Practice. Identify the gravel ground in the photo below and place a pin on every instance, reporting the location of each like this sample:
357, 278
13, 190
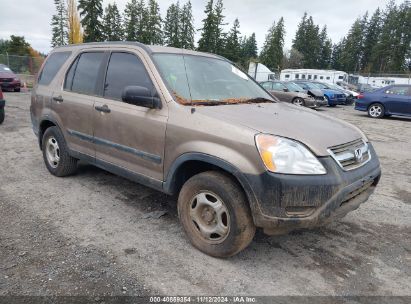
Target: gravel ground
93, 234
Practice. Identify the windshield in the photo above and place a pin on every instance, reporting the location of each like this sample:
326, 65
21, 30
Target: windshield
322, 86
336, 87
207, 81
4, 68
293, 87
311, 86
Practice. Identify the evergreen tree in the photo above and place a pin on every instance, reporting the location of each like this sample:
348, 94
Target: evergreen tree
351, 55
307, 41
112, 24
372, 34
232, 46
135, 20
59, 26
91, 13
293, 59
337, 55
220, 36
324, 61
154, 21
207, 40
187, 27
272, 52
172, 27
248, 49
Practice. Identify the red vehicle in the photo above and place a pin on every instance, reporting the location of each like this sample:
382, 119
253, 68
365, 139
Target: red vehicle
9, 80
2, 104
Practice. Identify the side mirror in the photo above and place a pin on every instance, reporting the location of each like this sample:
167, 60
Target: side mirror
140, 96
286, 90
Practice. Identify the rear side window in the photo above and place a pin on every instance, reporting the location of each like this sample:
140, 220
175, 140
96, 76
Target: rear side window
52, 66
124, 70
397, 91
267, 85
83, 73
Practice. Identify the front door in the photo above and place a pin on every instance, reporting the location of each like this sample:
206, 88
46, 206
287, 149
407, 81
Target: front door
128, 136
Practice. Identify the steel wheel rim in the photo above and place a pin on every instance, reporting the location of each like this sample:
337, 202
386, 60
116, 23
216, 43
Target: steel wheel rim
375, 111
52, 152
298, 102
209, 217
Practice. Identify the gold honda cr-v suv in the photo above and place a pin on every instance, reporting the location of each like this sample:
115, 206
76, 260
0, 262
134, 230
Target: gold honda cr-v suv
195, 125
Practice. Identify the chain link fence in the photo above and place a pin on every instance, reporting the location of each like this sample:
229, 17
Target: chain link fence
25, 67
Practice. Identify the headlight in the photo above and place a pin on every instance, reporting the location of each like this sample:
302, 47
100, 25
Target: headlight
282, 155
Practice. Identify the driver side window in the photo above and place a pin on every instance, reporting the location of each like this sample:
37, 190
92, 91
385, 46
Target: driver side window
125, 69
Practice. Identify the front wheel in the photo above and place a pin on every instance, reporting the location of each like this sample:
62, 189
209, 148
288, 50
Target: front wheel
298, 102
2, 114
376, 110
215, 215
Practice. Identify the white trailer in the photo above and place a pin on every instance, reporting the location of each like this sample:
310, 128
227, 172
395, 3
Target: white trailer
328, 76
260, 72
378, 82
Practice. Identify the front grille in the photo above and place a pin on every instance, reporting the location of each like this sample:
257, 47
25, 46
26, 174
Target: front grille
320, 98
6, 79
352, 155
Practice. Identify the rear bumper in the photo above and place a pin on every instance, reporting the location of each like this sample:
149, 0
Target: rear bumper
289, 202
360, 107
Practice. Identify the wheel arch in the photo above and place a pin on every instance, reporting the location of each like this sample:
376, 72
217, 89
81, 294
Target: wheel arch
190, 164
45, 123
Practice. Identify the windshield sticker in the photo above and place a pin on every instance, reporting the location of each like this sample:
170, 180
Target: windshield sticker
238, 72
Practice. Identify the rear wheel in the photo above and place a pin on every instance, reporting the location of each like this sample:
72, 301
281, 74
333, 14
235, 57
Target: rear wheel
298, 102
2, 114
55, 153
215, 215
376, 110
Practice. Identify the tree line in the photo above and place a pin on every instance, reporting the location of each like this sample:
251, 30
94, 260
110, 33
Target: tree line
380, 42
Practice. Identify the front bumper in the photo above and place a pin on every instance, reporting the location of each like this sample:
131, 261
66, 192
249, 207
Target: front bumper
10, 85
289, 202
314, 103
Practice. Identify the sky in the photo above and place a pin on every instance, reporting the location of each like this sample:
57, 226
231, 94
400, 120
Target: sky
31, 18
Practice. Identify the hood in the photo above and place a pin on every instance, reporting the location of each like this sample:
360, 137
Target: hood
315, 93
317, 131
7, 75
330, 91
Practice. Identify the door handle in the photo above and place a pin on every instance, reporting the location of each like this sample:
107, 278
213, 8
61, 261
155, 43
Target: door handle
58, 98
104, 109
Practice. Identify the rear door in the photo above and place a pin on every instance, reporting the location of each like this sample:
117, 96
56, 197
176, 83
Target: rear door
396, 99
129, 136
75, 103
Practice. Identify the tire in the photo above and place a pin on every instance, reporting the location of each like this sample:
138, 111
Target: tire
376, 110
215, 201
298, 102
55, 153
2, 115
17, 90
